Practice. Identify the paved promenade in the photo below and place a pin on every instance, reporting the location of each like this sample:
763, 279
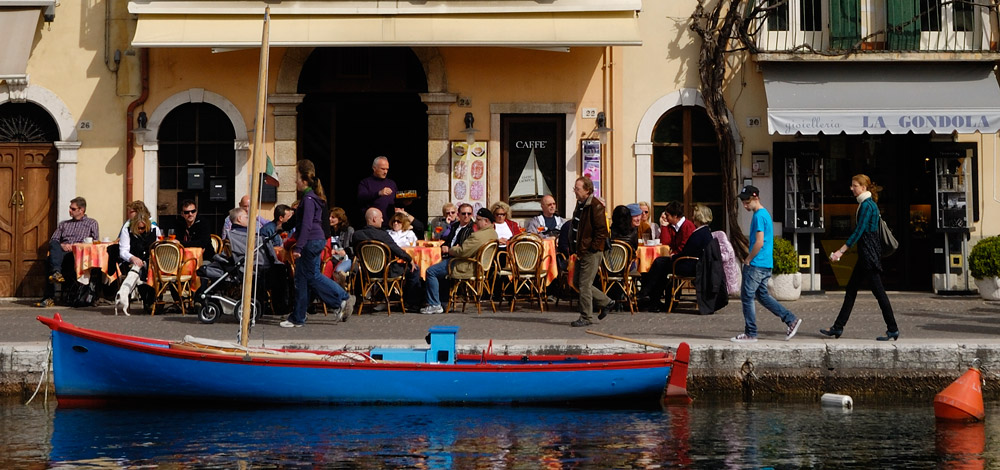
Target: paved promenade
940, 335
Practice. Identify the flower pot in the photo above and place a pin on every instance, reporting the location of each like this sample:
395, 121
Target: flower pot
785, 286
989, 288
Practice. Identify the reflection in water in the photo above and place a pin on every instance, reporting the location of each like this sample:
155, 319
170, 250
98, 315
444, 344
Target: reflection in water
706, 434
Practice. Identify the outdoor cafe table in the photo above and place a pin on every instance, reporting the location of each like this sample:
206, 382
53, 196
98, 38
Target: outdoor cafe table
425, 254
95, 255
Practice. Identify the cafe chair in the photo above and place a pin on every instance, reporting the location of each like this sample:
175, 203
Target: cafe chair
528, 273
166, 260
616, 270
679, 283
475, 282
376, 263
216, 244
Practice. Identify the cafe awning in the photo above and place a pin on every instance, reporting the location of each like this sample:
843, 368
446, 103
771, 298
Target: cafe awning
517, 23
899, 98
18, 25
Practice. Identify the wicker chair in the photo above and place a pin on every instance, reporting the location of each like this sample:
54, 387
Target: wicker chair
376, 261
616, 271
166, 260
216, 243
527, 263
476, 283
679, 283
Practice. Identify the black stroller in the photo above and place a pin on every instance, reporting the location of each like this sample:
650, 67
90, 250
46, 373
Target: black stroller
223, 294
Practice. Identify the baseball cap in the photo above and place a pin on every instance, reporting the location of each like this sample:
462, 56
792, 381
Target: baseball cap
486, 214
634, 210
748, 192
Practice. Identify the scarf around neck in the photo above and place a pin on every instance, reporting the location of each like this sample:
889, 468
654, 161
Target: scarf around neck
863, 196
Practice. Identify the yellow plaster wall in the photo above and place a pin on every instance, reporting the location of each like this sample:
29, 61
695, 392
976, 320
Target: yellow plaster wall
67, 58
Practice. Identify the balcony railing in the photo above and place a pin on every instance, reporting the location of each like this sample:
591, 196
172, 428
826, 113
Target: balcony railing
840, 27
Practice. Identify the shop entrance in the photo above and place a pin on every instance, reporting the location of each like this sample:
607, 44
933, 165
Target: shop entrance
904, 166
361, 103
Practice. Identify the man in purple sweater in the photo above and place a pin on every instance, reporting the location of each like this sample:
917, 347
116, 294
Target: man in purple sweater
377, 190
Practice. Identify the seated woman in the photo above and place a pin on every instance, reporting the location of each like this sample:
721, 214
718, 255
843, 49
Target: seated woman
399, 230
505, 227
621, 227
341, 234
135, 241
655, 283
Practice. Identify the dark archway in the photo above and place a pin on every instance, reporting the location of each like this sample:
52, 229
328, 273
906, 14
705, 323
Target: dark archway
195, 134
361, 103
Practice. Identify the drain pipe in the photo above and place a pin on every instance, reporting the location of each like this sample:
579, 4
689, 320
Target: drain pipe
130, 124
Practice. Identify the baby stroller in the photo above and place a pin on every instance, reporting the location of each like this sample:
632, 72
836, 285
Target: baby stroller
223, 294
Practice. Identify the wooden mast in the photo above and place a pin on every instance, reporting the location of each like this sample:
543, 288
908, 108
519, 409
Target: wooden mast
255, 159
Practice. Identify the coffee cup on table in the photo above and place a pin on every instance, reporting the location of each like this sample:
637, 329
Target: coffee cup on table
88, 240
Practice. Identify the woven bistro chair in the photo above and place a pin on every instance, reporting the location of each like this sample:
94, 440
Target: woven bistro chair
527, 262
477, 283
216, 244
616, 271
679, 283
376, 261
166, 260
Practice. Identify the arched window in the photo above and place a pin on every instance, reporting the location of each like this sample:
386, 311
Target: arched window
196, 133
686, 165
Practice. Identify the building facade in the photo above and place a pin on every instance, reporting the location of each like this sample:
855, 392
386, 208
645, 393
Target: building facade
476, 101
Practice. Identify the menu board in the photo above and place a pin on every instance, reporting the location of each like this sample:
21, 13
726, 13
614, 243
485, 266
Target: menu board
592, 162
468, 174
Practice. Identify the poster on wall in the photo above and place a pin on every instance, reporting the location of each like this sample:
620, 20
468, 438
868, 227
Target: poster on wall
591, 149
468, 174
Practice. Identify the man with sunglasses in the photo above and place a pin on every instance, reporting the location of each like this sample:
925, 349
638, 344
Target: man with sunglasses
193, 232
460, 229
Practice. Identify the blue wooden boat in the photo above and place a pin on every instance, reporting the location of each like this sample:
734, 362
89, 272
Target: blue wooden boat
91, 368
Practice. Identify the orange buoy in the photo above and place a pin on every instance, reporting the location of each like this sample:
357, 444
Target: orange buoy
963, 399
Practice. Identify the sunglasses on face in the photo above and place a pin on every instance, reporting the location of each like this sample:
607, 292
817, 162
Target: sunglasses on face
465, 213
191, 211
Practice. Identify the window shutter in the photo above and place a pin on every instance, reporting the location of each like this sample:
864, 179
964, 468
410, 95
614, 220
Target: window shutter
845, 23
903, 28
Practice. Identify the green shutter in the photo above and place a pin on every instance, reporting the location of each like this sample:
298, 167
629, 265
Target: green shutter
903, 28
845, 23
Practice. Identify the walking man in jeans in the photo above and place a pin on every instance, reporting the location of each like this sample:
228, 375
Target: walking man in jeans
590, 225
757, 270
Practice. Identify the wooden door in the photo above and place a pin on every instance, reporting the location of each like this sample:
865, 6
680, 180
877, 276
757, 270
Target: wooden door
27, 216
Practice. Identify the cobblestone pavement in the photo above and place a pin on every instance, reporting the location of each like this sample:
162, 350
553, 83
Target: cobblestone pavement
922, 318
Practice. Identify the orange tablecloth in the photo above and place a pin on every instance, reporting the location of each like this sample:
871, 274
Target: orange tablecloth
647, 254
88, 256
424, 256
551, 263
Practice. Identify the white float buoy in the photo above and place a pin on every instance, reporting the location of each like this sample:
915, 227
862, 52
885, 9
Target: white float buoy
840, 401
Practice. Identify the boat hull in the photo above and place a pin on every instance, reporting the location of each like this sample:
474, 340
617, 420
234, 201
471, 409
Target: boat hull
92, 368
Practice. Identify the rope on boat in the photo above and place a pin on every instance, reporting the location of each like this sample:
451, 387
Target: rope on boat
45, 371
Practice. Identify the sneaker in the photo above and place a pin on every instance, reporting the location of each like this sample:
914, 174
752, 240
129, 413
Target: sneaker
57, 278
743, 338
45, 303
581, 322
347, 308
288, 324
793, 328
432, 309
607, 309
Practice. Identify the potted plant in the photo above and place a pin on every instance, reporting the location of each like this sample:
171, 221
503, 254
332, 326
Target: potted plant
786, 280
984, 265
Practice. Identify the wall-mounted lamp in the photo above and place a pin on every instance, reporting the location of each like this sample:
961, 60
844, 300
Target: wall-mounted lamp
142, 119
602, 129
469, 131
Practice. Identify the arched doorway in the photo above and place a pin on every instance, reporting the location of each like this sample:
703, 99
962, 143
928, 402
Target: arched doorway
360, 103
196, 136
686, 163
28, 194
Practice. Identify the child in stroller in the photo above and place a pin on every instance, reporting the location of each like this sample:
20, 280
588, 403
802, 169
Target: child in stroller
222, 294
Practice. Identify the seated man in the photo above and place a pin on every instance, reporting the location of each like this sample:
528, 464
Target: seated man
466, 250
194, 232
546, 222
245, 205
373, 231
441, 226
655, 281
70, 231
263, 259
460, 228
